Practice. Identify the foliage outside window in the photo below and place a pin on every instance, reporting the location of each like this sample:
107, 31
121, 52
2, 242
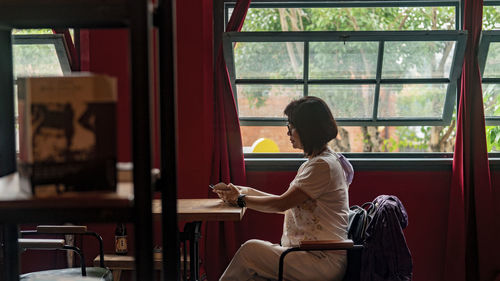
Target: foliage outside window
489, 56
264, 100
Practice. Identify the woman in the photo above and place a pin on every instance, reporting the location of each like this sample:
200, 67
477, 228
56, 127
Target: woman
315, 204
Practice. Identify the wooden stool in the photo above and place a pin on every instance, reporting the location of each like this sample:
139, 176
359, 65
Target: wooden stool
118, 263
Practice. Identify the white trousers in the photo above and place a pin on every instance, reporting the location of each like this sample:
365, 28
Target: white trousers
258, 260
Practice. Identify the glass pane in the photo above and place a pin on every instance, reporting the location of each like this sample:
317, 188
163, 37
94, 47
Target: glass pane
492, 66
346, 101
35, 60
349, 19
339, 60
266, 100
266, 139
491, 17
269, 60
416, 59
491, 99
394, 139
403, 139
493, 139
412, 100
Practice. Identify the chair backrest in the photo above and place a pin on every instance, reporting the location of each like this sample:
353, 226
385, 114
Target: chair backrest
95, 273
385, 253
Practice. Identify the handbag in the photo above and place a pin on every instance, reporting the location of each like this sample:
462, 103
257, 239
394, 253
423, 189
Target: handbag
359, 219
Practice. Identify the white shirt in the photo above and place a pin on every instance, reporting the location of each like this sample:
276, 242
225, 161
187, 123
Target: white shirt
325, 215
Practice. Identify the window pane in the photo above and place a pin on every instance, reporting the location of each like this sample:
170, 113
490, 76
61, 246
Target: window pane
266, 100
269, 60
492, 66
343, 60
35, 60
493, 138
253, 135
491, 17
365, 139
346, 101
415, 59
491, 99
411, 100
349, 19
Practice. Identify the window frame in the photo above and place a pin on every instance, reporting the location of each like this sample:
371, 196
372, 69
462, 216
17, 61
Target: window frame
57, 40
487, 37
229, 38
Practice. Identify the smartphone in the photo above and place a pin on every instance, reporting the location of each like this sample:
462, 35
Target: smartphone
211, 186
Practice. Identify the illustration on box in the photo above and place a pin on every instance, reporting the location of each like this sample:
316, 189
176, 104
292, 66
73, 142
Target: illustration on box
67, 131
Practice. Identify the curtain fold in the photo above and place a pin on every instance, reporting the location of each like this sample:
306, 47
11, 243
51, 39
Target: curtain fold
472, 224
223, 239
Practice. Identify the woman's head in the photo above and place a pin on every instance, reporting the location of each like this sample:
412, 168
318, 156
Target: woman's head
314, 123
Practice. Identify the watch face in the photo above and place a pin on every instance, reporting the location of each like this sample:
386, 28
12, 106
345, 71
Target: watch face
241, 200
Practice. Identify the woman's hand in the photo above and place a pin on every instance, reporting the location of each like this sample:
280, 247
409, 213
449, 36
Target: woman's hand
227, 192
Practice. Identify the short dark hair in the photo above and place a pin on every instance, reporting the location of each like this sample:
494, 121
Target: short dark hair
314, 122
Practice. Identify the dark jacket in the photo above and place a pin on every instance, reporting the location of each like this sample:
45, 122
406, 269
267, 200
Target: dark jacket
386, 255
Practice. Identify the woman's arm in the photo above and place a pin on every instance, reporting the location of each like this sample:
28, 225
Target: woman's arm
252, 191
243, 190
276, 203
262, 202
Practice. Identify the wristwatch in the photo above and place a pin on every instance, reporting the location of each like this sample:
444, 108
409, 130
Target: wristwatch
241, 200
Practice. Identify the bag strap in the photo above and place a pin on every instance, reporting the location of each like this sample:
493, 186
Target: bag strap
370, 206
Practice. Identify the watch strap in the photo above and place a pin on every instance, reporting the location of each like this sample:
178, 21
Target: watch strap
241, 201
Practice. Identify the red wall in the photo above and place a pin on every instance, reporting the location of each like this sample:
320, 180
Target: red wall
424, 195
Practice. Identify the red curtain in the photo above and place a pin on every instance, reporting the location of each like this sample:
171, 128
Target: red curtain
472, 224
74, 59
223, 239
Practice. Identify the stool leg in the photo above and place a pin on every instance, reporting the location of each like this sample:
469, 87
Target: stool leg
117, 274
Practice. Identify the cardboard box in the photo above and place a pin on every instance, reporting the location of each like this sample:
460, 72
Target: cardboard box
67, 132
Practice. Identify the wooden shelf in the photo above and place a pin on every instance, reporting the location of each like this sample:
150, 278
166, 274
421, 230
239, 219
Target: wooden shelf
59, 13
18, 206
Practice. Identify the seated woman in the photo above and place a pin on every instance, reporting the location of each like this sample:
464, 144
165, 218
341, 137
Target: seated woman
315, 204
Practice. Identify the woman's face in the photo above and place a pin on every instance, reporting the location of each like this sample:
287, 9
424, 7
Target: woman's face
294, 137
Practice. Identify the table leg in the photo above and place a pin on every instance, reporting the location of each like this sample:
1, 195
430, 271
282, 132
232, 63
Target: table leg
193, 232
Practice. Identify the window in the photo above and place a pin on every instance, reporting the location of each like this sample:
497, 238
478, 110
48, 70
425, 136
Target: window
389, 72
367, 78
38, 53
488, 56
489, 63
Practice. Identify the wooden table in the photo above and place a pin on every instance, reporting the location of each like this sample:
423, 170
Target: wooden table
194, 212
202, 210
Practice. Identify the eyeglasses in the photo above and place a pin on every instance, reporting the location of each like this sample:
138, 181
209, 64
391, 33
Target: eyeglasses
290, 128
